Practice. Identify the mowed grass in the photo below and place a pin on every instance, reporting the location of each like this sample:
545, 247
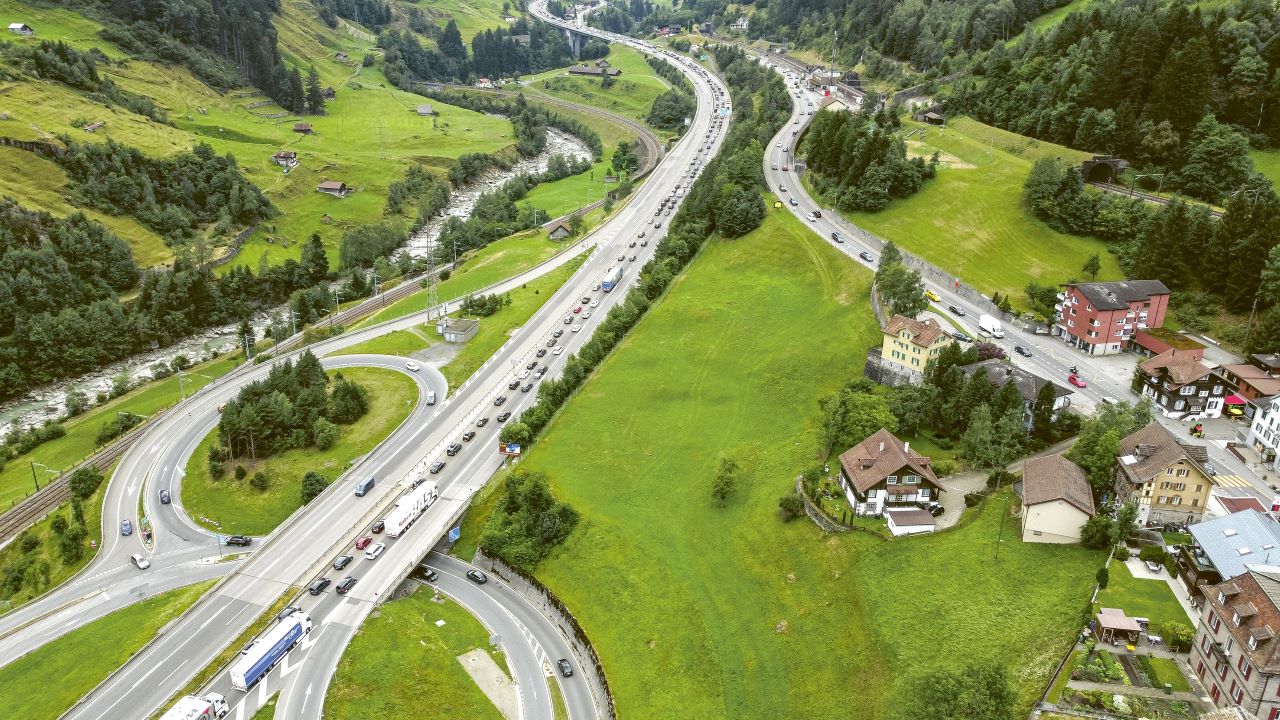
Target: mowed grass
1167, 671
1267, 162
1053, 18
631, 95
47, 682
971, 221
41, 185
705, 612
495, 262
1140, 597
472, 16
404, 635
238, 508
82, 432
400, 342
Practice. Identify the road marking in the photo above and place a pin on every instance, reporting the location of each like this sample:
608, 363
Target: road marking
211, 617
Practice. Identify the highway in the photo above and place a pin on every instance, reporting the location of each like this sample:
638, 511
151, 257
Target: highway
305, 545
1050, 358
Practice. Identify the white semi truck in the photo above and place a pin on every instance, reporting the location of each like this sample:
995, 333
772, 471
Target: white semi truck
409, 507
209, 707
989, 325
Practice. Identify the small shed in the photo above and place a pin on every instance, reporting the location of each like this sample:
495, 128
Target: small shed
602, 63
1113, 626
335, 188
559, 230
94, 126
329, 93
285, 158
21, 29
910, 521
304, 128
933, 118
457, 330
426, 110
340, 56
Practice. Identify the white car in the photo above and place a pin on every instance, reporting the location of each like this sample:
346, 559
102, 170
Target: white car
411, 366
523, 374
374, 551
576, 328
595, 303
586, 314
140, 562
596, 286
558, 350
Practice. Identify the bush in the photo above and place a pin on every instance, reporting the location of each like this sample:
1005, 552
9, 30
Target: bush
71, 544
28, 543
58, 524
325, 432
84, 481
790, 507
1121, 553
972, 499
1152, 553
216, 469
123, 423
1178, 635
999, 478
527, 523
241, 472
260, 481
1103, 577
944, 467
313, 483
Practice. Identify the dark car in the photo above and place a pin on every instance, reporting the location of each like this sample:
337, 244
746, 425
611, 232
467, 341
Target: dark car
378, 526
1022, 351
793, 202
557, 333
318, 586
482, 422
436, 467
499, 400
164, 497
961, 336
621, 258
836, 236
287, 611
865, 256
513, 384
240, 540
453, 449
426, 573
526, 387
341, 562
956, 310
933, 508
468, 435
347, 583
477, 577
503, 417
552, 342
565, 668
541, 352
531, 365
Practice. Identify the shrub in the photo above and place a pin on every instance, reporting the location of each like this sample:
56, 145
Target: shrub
28, 543
260, 481
1178, 635
241, 472
527, 523
71, 544
944, 467
325, 432
1152, 553
1121, 553
84, 481
999, 478
790, 507
121, 424
216, 469
1103, 577
58, 524
972, 499
313, 483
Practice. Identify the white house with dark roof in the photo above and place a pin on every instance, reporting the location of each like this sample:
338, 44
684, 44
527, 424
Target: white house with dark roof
1056, 500
21, 29
882, 472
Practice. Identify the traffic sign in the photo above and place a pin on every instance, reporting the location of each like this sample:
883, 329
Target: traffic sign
455, 533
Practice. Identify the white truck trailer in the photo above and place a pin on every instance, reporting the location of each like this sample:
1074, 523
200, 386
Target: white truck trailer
409, 507
190, 707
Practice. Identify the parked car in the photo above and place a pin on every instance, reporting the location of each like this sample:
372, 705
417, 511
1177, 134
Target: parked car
140, 562
933, 508
364, 542
566, 669
373, 552
962, 337
477, 577
341, 562
1076, 380
345, 586
318, 585
378, 526
1022, 351
164, 497
240, 540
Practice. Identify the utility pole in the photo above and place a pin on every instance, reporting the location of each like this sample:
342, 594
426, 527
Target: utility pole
1249, 330
34, 479
433, 291
373, 281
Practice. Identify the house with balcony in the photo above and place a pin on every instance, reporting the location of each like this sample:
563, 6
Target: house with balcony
1252, 386
1101, 318
1164, 476
1236, 654
1221, 547
883, 472
1001, 373
1264, 432
908, 345
1180, 383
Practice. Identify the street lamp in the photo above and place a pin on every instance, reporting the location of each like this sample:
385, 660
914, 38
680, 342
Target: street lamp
44, 467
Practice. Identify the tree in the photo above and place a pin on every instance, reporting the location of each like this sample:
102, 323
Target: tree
1103, 577
315, 95
260, 481
313, 483
1099, 532
1099, 441
297, 93
84, 481
851, 415
1217, 161
247, 338
790, 507
77, 401
1092, 266
1269, 279
976, 692
515, 433
911, 405
1042, 428
315, 261
901, 290
450, 42
325, 433
58, 524
725, 480
978, 442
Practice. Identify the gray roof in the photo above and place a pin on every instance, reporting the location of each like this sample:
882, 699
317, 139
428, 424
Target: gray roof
1233, 540
1117, 295
1000, 372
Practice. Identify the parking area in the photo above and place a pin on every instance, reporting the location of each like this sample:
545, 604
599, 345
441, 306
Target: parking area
955, 487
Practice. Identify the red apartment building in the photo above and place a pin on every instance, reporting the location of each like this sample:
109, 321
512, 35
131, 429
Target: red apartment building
1235, 653
1101, 318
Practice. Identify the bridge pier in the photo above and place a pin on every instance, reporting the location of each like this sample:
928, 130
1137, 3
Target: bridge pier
576, 43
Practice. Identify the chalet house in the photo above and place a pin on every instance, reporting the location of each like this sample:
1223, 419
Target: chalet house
1264, 432
910, 344
304, 128
334, 188
484, 83
594, 71
602, 63
1101, 318
340, 56
285, 158
1056, 500
426, 110
1251, 382
1236, 654
706, 29
1180, 383
833, 104
1029, 385
883, 471
21, 29
1166, 478
933, 118
740, 24
559, 230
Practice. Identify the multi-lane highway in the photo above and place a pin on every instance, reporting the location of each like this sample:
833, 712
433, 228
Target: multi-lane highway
305, 545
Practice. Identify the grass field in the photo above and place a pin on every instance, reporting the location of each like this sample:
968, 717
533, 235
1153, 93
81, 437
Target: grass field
268, 711
82, 432
729, 613
631, 95
400, 342
35, 583
1053, 18
1267, 162
970, 221
1139, 597
497, 261
47, 682
241, 509
1167, 672
404, 635
472, 16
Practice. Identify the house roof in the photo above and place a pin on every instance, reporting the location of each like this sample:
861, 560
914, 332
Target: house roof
331, 185
559, 225
879, 456
1238, 504
923, 332
460, 325
302, 126
1118, 294
1270, 361
1261, 380
1232, 540
1048, 478
934, 116
1152, 449
1114, 619
830, 100
285, 154
19, 26
1181, 368
911, 516
425, 110
1028, 383
1254, 594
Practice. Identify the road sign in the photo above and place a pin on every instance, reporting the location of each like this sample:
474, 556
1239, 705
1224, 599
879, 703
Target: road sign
510, 449
455, 533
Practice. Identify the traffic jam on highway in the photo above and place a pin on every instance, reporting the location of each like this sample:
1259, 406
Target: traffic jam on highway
516, 391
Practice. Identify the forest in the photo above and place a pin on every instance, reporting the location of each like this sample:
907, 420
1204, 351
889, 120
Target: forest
1153, 82
859, 162
494, 54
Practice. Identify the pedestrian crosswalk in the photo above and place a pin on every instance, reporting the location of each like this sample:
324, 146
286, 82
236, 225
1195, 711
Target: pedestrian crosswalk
1230, 481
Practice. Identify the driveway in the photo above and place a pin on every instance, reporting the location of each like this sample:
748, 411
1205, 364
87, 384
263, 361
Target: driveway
955, 487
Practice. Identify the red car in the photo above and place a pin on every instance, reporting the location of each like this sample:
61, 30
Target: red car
785, 168
363, 542
1076, 380
577, 310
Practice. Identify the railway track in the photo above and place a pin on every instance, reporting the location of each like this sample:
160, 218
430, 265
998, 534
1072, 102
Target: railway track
1115, 189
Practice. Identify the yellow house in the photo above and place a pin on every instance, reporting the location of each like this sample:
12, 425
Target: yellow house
1167, 478
911, 344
